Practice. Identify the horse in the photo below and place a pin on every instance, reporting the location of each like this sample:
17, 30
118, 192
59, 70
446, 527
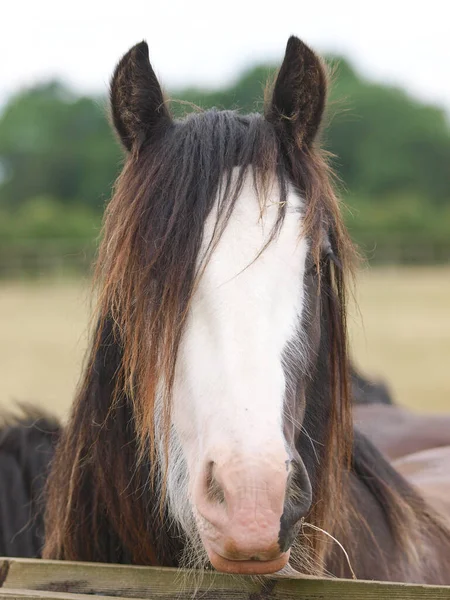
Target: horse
398, 432
213, 425
395, 430
416, 444
367, 391
428, 471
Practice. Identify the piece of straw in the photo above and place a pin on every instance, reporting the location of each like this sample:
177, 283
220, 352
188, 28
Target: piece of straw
305, 523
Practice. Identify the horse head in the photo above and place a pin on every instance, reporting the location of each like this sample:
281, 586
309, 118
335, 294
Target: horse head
221, 268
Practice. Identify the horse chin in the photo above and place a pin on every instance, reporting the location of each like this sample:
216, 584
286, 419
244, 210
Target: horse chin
247, 567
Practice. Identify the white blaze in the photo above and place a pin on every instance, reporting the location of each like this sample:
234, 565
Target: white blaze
230, 385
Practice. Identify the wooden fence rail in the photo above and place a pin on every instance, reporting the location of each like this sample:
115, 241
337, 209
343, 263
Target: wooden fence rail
27, 579
28, 258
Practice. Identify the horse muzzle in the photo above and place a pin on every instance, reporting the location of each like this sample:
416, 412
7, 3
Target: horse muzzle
239, 507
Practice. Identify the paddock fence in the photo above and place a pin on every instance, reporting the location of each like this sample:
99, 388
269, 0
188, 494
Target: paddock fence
31, 258
28, 258
28, 579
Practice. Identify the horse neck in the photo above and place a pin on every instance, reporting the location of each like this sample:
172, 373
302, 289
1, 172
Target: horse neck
100, 503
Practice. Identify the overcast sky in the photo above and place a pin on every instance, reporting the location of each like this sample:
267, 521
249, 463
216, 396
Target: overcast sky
208, 43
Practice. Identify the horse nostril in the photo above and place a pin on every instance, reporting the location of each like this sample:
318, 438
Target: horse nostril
214, 491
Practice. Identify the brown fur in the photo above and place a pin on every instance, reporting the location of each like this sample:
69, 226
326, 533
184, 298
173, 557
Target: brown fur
429, 471
397, 431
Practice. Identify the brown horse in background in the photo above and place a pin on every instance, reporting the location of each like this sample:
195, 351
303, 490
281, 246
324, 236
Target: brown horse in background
213, 423
397, 431
417, 445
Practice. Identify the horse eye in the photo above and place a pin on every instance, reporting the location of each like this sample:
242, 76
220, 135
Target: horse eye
331, 257
327, 257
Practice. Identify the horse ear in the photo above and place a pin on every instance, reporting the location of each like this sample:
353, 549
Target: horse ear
137, 102
299, 94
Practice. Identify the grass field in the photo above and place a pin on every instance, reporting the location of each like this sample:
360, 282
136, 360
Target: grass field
401, 334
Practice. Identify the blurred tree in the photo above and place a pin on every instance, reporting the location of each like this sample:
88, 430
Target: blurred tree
245, 94
387, 143
55, 143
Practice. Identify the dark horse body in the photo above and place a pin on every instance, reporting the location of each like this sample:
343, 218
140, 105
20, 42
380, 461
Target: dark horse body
26, 449
193, 441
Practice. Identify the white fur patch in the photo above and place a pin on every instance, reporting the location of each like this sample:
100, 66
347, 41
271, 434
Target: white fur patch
230, 383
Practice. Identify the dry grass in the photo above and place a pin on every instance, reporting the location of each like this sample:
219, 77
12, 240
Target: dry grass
404, 336
403, 333
43, 332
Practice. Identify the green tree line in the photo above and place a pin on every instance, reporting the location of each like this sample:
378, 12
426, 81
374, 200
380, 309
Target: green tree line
59, 159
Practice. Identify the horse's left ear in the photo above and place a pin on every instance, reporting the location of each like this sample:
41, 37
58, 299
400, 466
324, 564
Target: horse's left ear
138, 109
299, 94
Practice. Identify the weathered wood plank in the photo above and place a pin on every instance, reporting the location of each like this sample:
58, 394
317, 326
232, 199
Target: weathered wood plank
11, 594
64, 580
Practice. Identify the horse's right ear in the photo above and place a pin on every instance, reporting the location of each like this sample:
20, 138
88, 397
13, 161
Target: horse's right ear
137, 102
